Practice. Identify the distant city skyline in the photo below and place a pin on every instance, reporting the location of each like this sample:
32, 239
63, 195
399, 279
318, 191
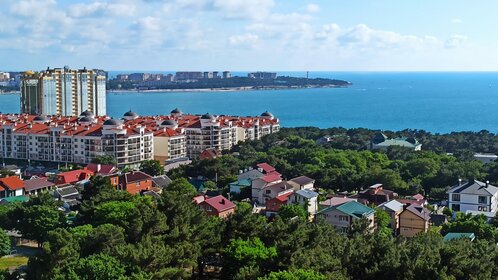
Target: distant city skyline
240, 35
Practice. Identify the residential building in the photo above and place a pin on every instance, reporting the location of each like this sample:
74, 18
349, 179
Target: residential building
306, 198
382, 142
342, 216
473, 195
72, 177
69, 195
218, 206
335, 201
459, 235
485, 158
375, 194
129, 141
260, 191
135, 182
210, 153
302, 183
394, 209
262, 75
413, 220
11, 186
63, 91
273, 205
189, 76
35, 186
227, 75
161, 181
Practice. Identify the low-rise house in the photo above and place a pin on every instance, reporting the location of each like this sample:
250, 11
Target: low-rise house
72, 177
485, 158
489, 215
342, 216
11, 186
375, 194
259, 185
161, 181
394, 209
274, 190
413, 220
37, 185
459, 235
218, 206
12, 168
473, 195
382, 142
306, 198
273, 205
438, 219
239, 185
69, 195
302, 183
335, 201
210, 153
135, 182
105, 170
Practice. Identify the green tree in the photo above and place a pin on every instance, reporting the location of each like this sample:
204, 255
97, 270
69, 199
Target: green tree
94, 267
181, 186
299, 274
383, 221
109, 160
152, 167
4, 243
251, 253
290, 211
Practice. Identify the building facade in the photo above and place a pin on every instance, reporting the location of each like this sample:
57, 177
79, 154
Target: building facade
130, 141
63, 91
473, 195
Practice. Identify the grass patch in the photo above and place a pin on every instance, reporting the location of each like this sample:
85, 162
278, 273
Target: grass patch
12, 262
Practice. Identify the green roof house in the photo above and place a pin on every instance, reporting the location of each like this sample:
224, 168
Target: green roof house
381, 142
459, 235
342, 216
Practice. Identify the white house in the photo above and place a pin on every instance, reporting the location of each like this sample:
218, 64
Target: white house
473, 195
302, 183
306, 197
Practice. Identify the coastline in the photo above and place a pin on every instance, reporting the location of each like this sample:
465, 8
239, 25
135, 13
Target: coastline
227, 89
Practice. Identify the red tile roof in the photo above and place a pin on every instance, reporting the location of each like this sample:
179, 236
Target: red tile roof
219, 203
272, 177
73, 176
12, 183
103, 169
284, 197
266, 167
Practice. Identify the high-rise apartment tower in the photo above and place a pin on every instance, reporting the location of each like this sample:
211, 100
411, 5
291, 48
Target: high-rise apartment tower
63, 91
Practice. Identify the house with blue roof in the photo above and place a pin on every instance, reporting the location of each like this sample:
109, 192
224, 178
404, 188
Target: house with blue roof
342, 216
307, 198
459, 235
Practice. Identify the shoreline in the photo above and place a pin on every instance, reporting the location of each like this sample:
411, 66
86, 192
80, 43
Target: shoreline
229, 89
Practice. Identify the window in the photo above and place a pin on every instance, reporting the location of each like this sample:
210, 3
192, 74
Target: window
455, 207
343, 218
455, 197
482, 208
482, 200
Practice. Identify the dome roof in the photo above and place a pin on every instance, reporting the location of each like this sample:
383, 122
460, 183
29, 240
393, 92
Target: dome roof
112, 122
87, 113
40, 118
169, 122
267, 114
130, 114
176, 111
86, 119
207, 116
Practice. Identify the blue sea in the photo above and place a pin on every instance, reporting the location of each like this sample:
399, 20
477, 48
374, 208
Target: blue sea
434, 101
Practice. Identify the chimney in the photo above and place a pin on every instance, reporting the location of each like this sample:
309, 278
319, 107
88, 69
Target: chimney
487, 184
222, 201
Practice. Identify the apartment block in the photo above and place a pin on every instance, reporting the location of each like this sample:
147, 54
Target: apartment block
63, 91
130, 140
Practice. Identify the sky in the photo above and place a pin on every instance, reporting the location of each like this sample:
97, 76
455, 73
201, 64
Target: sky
249, 35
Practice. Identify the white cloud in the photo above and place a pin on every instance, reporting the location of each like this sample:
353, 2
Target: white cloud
363, 37
244, 9
246, 40
312, 8
455, 41
456, 21
99, 9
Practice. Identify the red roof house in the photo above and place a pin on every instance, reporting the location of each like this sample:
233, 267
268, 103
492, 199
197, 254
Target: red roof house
210, 153
135, 182
218, 206
71, 177
273, 205
266, 167
11, 186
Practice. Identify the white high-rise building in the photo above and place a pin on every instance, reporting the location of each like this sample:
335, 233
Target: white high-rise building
64, 91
